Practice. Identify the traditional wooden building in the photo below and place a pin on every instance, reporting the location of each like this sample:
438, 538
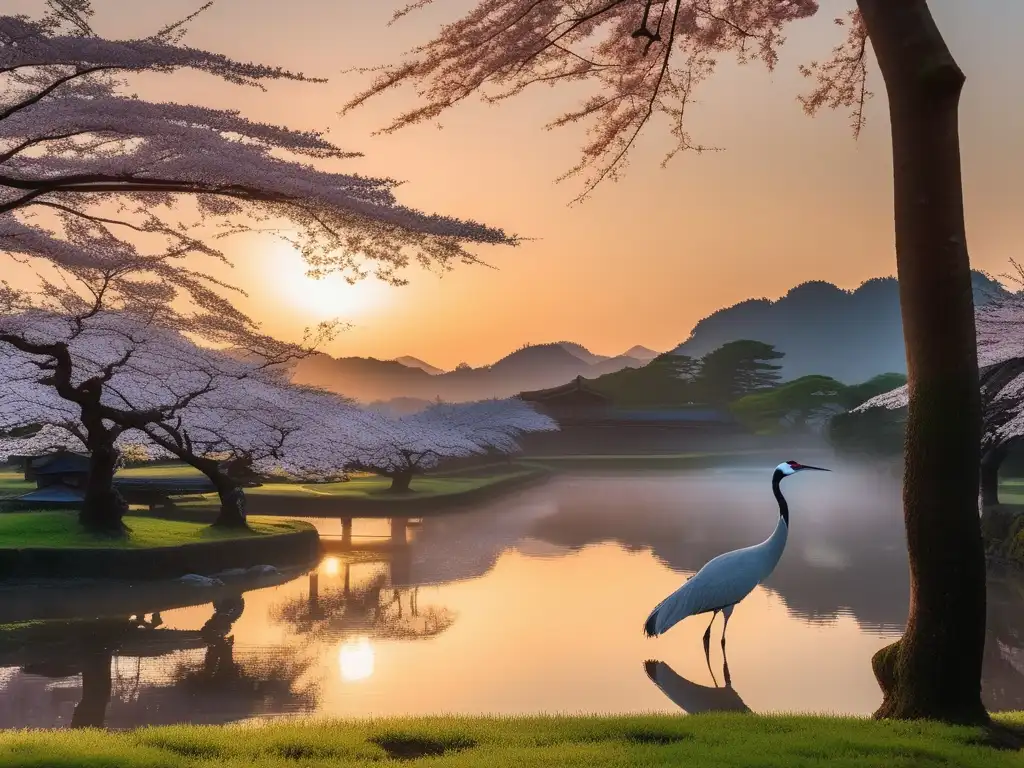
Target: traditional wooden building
60, 480
592, 423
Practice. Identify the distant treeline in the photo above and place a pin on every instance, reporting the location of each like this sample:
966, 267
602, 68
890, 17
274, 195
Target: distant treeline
743, 378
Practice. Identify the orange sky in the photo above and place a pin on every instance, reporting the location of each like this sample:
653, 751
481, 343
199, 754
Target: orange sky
792, 199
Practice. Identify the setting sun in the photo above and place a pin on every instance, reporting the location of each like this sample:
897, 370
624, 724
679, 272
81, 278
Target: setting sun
325, 298
355, 659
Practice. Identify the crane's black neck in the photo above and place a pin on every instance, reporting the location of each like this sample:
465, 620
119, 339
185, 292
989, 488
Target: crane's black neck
777, 490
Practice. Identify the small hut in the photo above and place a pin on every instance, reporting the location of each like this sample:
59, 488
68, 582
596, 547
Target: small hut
61, 467
59, 477
578, 394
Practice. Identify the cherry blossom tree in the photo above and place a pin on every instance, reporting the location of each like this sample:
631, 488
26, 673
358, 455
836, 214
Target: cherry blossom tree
405, 446
647, 57
131, 384
1000, 337
76, 144
98, 374
254, 424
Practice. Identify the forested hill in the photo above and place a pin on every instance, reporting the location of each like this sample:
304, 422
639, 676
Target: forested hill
848, 335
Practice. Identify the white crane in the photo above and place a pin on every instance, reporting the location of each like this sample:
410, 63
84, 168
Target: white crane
725, 580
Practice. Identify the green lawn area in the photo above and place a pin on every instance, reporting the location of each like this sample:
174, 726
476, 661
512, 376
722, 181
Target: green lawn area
1011, 490
360, 486
698, 740
12, 483
365, 487
61, 529
160, 470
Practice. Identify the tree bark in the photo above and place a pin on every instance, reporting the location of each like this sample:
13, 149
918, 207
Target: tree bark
103, 507
934, 670
400, 481
990, 463
229, 491
232, 502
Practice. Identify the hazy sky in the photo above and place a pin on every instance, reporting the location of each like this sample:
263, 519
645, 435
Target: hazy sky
792, 199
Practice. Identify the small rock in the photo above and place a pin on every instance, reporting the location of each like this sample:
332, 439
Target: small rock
195, 580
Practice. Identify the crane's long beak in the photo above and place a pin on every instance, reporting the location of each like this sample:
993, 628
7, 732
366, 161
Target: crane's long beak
820, 469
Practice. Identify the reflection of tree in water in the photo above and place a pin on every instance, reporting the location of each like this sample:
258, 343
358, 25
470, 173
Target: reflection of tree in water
220, 688
217, 689
62, 649
372, 608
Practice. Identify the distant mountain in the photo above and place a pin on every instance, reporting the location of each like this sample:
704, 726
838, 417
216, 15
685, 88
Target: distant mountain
532, 367
848, 335
641, 353
414, 362
584, 354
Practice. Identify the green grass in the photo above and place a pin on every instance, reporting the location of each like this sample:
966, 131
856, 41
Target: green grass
61, 529
362, 487
12, 483
591, 742
372, 487
160, 471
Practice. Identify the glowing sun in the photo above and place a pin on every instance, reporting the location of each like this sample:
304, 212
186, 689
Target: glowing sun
355, 659
322, 298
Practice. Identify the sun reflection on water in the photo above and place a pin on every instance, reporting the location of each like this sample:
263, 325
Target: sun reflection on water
355, 659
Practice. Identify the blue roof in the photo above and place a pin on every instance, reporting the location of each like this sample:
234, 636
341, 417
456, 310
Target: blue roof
55, 494
61, 465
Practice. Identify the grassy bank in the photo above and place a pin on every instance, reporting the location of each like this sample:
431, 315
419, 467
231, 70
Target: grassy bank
697, 740
374, 487
60, 530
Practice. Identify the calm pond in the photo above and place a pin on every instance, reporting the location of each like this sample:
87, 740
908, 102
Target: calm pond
531, 603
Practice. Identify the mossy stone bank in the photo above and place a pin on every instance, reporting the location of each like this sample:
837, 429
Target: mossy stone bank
68, 553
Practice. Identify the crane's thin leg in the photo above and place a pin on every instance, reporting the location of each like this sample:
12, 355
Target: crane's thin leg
726, 612
708, 635
707, 640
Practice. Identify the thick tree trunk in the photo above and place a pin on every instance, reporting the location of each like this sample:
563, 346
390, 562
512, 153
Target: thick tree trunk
103, 507
229, 491
232, 503
400, 481
934, 670
990, 463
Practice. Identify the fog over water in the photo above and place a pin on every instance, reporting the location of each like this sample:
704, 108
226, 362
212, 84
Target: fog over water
531, 603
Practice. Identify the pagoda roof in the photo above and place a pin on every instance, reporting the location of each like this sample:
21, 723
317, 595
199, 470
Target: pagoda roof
576, 386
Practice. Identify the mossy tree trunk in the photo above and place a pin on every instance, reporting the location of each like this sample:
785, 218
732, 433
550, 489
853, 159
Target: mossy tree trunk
991, 460
934, 670
232, 512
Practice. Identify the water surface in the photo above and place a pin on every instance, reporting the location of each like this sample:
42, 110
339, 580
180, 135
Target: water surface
532, 603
